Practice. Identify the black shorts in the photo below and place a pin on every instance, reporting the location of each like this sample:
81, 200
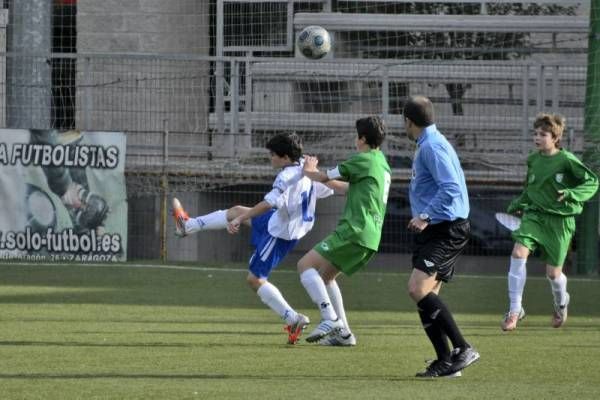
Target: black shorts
436, 249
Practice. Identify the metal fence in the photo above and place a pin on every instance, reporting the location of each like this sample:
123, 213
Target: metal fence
197, 124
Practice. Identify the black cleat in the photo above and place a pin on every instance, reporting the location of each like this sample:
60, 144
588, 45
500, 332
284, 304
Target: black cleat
439, 369
463, 357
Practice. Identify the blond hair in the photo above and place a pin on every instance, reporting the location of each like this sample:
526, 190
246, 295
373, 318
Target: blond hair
553, 123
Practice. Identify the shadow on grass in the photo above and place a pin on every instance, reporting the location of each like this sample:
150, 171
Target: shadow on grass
291, 376
115, 285
145, 345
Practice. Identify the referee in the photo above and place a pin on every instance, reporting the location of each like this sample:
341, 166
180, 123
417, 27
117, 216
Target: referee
440, 208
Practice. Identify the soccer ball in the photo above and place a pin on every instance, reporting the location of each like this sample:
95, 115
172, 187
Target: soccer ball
314, 42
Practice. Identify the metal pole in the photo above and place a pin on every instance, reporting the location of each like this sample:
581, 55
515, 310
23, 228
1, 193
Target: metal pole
164, 185
219, 71
248, 104
541, 82
234, 110
525, 94
555, 89
587, 232
385, 100
29, 84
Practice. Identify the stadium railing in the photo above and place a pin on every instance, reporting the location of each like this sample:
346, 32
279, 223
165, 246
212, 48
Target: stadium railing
443, 23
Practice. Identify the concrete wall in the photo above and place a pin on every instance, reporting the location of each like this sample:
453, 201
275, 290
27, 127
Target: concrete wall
143, 96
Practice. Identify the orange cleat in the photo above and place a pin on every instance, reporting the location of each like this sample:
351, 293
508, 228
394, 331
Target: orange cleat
180, 217
295, 330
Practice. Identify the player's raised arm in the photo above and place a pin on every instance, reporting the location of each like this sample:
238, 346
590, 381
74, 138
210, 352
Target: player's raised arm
311, 170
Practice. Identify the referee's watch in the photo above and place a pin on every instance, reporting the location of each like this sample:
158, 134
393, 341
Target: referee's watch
425, 217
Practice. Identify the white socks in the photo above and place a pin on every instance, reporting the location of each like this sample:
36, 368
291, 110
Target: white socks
335, 295
214, 220
559, 289
315, 287
272, 297
516, 283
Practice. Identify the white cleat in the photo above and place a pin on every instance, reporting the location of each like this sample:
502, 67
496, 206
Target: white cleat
559, 317
509, 323
342, 338
325, 328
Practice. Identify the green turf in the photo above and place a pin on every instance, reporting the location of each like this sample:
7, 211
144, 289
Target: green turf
70, 332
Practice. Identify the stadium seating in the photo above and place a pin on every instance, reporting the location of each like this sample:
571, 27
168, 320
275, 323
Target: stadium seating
490, 121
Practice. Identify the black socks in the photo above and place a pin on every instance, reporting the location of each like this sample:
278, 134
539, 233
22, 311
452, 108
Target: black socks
439, 323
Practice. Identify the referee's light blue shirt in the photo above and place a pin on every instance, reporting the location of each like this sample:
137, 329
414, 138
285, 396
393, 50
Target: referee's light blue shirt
437, 186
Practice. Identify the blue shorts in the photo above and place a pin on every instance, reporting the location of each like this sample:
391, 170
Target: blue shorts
270, 250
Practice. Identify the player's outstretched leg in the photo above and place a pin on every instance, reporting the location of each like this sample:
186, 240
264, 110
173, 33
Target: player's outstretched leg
180, 217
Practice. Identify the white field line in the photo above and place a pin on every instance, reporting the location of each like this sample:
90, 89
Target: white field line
227, 269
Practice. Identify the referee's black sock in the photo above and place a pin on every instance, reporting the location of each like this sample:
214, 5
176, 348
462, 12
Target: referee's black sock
438, 339
441, 316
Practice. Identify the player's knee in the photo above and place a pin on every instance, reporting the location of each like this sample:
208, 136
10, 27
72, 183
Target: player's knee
328, 274
520, 252
303, 265
415, 291
553, 272
253, 282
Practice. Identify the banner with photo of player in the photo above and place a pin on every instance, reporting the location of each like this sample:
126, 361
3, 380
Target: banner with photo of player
63, 195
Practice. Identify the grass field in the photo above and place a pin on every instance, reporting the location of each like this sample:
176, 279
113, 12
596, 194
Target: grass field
153, 332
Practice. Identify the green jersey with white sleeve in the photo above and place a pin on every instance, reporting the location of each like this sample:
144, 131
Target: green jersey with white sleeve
369, 178
547, 177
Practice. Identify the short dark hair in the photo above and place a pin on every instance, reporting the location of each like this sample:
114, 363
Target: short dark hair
372, 129
419, 110
286, 144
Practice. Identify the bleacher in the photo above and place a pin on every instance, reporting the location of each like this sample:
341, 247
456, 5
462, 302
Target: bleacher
338, 22
489, 117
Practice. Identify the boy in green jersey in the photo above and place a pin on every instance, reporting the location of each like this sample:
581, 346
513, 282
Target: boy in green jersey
556, 187
356, 237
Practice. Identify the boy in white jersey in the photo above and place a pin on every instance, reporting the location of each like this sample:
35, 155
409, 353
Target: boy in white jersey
284, 216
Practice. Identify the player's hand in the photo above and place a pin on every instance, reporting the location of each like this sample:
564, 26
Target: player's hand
417, 225
233, 226
311, 163
561, 195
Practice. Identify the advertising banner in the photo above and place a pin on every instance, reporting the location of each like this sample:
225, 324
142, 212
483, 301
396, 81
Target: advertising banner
62, 195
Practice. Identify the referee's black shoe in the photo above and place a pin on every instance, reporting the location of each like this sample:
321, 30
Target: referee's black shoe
439, 369
462, 357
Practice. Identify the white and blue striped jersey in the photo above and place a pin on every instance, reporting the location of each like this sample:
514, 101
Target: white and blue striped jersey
294, 197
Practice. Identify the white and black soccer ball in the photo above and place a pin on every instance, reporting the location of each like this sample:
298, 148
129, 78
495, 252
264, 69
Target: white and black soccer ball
314, 42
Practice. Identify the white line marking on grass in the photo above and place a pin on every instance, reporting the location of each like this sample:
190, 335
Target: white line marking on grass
176, 267
229, 269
